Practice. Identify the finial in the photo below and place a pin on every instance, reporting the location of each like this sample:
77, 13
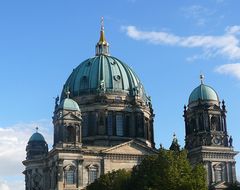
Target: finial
174, 136
102, 23
68, 93
36, 129
102, 47
201, 78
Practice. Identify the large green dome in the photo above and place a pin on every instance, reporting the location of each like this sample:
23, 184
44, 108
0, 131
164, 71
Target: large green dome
203, 92
103, 73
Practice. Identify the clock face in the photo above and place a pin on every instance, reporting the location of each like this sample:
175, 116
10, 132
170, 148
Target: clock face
217, 140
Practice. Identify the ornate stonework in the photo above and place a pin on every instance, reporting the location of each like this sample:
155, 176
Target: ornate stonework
207, 139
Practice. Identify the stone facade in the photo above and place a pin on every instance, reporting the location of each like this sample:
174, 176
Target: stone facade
74, 168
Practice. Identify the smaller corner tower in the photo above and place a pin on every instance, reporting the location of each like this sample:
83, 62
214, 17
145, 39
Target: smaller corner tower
37, 151
67, 123
206, 136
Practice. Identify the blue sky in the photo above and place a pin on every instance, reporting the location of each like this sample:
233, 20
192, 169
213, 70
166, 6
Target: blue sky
168, 44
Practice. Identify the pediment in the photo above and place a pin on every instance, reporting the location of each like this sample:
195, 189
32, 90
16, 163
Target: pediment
70, 116
131, 147
220, 185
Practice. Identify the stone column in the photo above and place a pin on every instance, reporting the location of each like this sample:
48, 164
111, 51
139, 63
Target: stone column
234, 178
60, 174
79, 174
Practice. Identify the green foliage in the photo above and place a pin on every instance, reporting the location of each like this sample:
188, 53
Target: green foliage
169, 170
115, 180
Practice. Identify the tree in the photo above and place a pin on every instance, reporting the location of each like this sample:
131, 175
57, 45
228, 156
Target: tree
115, 180
169, 170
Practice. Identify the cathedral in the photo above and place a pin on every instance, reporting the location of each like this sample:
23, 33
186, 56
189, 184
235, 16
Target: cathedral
104, 121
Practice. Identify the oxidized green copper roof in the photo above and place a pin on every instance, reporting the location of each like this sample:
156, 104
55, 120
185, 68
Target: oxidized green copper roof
203, 92
103, 73
69, 104
36, 137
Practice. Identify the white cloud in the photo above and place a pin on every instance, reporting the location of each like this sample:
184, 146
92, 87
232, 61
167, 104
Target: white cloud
226, 45
13, 141
197, 13
12, 185
230, 69
4, 186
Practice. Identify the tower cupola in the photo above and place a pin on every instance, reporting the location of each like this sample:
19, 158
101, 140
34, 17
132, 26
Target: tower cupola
37, 146
67, 123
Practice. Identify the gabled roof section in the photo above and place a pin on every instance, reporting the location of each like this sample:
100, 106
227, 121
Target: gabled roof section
131, 147
220, 185
70, 116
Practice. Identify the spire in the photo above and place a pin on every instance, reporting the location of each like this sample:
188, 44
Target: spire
175, 146
201, 78
68, 93
36, 129
102, 47
102, 36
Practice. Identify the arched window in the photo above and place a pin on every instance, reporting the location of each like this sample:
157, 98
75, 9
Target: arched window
85, 125
119, 124
139, 125
215, 123
110, 123
200, 122
92, 123
101, 124
192, 125
92, 173
70, 175
71, 134
219, 172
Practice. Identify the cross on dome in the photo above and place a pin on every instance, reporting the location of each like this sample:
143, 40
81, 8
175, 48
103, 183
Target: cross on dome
201, 78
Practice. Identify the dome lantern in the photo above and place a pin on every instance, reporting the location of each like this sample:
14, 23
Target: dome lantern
102, 47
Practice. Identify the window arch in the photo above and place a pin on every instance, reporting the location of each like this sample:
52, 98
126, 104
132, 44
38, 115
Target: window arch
215, 123
92, 173
71, 134
85, 124
110, 123
70, 175
119, 124
219, 172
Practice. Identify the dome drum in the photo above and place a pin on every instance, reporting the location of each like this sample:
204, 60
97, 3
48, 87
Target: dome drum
114, 125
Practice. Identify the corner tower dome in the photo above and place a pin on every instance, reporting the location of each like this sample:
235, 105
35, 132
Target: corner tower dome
37, 146
203, 92
37, 137
68, 104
